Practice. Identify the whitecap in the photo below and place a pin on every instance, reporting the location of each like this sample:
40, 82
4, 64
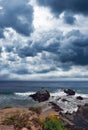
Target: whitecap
24, 94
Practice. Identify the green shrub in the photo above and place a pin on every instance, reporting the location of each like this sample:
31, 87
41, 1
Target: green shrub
53, 124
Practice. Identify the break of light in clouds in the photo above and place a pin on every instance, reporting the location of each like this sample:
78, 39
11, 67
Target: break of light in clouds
43, 39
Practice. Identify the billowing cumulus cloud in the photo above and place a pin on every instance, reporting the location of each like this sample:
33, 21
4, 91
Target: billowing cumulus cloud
57, 6
57, 47
17, 15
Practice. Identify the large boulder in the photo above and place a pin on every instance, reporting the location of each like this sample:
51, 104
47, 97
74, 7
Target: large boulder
41, 96
69, 91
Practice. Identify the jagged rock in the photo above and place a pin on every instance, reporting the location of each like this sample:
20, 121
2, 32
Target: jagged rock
58, 99
41, 96
80, 98
55, 107
80, 118
69, 127
65, 100
69, 91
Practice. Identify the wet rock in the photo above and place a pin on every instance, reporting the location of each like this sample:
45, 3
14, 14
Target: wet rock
55, 107
69, 92
80, 98
65, 100
71, 127
41, 96
58, 99
79, 119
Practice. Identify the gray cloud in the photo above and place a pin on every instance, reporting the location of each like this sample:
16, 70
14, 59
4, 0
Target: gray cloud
18, 15
26, 51
76, 49
48, 53
22, 71
57, 6
68, 50
0, 49
69, 18
1, 33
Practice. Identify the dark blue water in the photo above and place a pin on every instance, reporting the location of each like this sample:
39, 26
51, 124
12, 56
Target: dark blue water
8, 90
24, 86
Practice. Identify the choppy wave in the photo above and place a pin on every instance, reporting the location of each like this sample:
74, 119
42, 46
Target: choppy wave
24, 94
70, 103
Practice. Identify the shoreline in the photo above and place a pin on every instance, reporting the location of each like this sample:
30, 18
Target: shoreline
51, 105
48, 110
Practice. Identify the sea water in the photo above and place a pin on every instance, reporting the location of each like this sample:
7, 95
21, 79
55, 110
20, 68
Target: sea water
16, 93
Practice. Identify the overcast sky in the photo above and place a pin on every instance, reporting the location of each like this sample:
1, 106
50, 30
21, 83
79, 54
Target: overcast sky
43, 39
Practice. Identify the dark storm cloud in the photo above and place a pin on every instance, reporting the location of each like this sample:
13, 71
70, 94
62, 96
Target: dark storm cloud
46, 70
75, 51
48, 42
68, 50
57, 6
26, 51
0, 49
1, 33
54, 51
18, 15
69, 18
9, 48
4, 76
22, 71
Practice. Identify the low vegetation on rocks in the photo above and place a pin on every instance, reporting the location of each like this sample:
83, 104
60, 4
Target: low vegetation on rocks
30, 119
53, 123
18, 121
37, 110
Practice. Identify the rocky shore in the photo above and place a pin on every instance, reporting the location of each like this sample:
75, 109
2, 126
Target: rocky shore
77, 119
49, 105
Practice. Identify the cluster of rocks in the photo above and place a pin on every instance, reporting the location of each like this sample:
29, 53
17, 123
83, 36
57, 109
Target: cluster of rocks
75, 121
44, 95
70, 92
79, 119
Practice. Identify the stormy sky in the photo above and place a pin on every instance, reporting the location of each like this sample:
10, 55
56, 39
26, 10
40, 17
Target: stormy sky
43, 39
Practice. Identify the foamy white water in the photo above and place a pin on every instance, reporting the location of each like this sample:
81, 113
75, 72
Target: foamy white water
70, 103
24, 94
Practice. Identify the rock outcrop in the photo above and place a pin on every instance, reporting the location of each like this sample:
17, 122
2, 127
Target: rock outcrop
55, 107
65, 100
80, 98
79, 119
41, 96
69, 92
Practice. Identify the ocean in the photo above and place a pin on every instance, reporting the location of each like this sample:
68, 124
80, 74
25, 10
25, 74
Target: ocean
16, 93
